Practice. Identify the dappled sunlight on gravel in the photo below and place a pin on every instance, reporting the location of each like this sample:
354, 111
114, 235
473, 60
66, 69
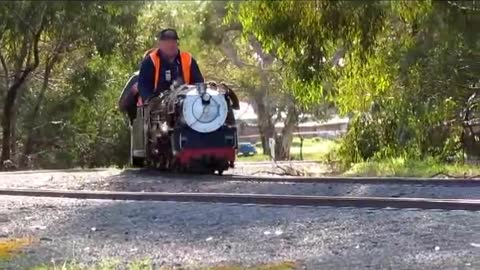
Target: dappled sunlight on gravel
202, 234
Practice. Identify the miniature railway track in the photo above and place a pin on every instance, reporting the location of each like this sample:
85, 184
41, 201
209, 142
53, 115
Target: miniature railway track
361, 180
259, 199
322, 180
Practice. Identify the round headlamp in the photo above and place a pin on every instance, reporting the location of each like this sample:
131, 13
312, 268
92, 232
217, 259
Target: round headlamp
206, 97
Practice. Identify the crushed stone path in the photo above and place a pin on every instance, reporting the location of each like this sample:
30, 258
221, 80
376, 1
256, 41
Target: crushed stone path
191, 235
131, 180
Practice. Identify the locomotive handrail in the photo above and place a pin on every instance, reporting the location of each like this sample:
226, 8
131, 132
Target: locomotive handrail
233, 97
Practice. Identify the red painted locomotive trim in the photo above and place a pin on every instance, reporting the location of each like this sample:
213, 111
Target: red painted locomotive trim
186, 155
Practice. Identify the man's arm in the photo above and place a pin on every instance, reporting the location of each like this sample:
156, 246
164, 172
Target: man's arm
195, 73
146, 79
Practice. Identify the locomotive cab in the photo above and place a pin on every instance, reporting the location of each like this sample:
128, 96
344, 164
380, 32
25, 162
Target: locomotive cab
188, 128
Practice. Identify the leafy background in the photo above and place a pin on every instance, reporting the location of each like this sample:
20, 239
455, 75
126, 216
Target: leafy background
401, 70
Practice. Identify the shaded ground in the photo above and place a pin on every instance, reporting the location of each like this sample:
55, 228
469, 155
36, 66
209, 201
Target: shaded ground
191, 235
144, 180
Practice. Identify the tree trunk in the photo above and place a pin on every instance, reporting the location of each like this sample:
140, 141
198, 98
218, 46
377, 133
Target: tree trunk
13, 135
7, 123
266, 132
8, 120
283, 142
266, 128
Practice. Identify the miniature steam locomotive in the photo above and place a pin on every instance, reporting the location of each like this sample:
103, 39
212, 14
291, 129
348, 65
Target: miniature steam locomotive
187, 128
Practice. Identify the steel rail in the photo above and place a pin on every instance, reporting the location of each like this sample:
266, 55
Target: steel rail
364, 180
425, 181
330, 180
258, 199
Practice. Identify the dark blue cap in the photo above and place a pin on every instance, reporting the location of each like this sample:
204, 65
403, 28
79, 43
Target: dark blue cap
167, 34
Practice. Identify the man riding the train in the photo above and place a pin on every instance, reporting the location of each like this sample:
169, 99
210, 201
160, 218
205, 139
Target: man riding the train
187, 140
166, 64
160, 66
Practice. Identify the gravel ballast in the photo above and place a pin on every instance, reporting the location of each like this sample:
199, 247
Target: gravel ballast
118, 180
191, 235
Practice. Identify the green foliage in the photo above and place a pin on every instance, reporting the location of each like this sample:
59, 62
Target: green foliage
304, 35
67, 110
101, 136
407, 67
400, 69
89, 59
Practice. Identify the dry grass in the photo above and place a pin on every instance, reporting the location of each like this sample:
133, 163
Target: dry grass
146, 265
274, 266
12, 246
413, 168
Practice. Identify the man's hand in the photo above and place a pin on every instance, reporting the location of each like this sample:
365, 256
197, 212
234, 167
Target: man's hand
178, 85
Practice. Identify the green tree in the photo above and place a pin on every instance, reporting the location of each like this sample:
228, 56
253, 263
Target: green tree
401, 69
253, 71
48, 41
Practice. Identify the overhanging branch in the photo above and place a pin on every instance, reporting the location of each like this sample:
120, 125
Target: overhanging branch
229, 50
36, 62
266, 59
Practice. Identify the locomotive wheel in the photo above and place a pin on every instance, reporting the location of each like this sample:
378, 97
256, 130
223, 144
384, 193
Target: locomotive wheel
138, 162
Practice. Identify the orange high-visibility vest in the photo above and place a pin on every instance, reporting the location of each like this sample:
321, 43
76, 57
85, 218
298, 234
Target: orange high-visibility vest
186, 62
148, 52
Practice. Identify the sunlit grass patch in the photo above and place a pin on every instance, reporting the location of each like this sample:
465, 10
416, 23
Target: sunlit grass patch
12, 246
112, 264
414, 168
257, 157
315, 149
105, 264
273, 266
